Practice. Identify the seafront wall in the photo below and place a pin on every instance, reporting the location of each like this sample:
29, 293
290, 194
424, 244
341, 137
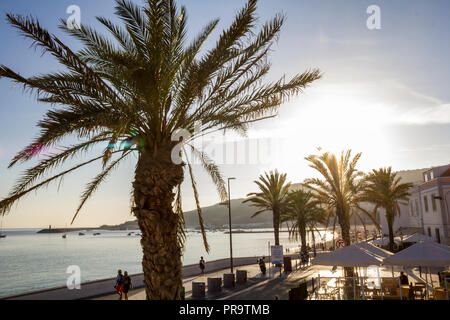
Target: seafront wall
104, 287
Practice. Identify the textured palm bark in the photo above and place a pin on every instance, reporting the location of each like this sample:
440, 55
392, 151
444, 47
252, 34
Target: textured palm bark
390, 223
155, 180
303, 237
313, 241
344, 222
276, 225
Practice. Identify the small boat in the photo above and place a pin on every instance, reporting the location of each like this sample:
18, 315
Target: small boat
2, 235
97, 234
64, 236
81, 234
130, 234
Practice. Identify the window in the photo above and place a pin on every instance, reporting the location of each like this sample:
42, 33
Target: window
425, 203
438, 235
431, 175
429, 232
417, 207
433, 202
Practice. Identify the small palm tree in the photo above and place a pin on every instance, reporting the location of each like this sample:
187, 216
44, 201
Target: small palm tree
317, 217
303, 212
385, 190
136, 93
272, 197
339, 190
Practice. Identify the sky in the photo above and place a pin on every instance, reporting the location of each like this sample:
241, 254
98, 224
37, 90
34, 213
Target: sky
384, 92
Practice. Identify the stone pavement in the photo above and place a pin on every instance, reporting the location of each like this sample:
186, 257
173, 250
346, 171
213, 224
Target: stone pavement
275, 287
253, 274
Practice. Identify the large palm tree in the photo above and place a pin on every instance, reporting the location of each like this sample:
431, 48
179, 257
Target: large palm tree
134, 92
272, 197
303, 213
385, 190
340, 188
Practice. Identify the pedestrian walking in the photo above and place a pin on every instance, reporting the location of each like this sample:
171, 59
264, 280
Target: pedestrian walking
262, 266
119, 284
127, 284
202, 265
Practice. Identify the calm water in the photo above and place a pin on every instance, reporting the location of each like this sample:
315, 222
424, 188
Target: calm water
31, 261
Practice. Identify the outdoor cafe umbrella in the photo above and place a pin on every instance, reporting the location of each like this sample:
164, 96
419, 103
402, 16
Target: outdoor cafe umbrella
425, 254
351, 256
417, 237
385, 241
374, 249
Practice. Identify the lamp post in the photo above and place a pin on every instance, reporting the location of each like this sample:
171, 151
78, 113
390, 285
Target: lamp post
229, 223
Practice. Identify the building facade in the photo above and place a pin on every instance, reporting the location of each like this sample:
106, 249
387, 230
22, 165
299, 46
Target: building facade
428, 207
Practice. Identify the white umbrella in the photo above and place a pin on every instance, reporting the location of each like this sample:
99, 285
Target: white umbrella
417, 237
385, 241
374, 249
424, 254
351, 256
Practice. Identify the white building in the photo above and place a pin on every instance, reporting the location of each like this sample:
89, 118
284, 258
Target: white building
428, 206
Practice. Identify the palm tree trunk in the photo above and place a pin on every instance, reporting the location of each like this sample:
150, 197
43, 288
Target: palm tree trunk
344, 222
345, 229
153, 197
276, 225
313, 241
303, 237
390, 223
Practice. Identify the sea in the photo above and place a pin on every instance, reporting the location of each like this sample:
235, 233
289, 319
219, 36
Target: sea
30, 261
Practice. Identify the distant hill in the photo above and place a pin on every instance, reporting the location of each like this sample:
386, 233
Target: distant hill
217, 215
129, 225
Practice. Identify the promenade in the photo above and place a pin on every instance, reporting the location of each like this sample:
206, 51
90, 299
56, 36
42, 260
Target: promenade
265, 288
105, 287
256, 288
254, 275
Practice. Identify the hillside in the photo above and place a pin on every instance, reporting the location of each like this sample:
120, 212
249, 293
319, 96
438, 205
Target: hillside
217, 215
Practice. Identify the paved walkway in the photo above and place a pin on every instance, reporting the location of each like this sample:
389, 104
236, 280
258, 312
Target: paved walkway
252, 272
275, 287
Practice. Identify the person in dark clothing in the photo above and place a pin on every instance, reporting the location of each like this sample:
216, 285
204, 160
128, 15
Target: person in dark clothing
119, 284
202, 265
127, 284
262, 265
404, 278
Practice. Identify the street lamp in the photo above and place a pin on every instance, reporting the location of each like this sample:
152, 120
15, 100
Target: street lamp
229, 223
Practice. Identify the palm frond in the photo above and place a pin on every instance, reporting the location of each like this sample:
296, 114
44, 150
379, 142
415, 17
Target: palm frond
213, 170
199, 208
